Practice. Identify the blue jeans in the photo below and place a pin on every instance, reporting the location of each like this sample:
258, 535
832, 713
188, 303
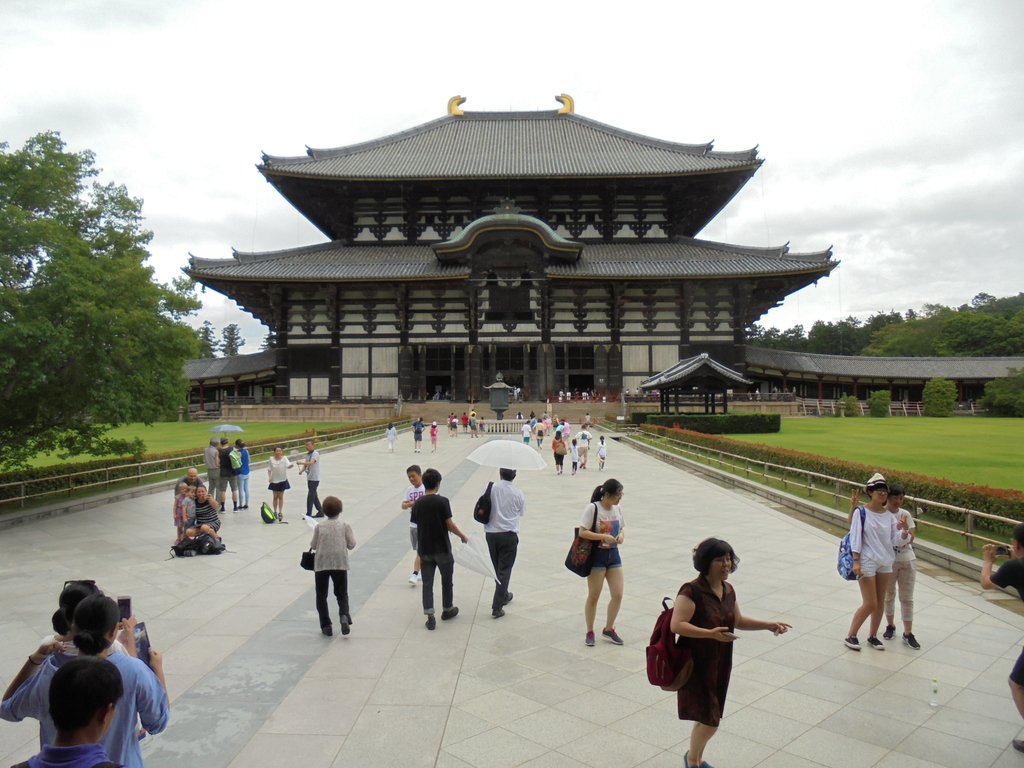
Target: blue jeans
243, 490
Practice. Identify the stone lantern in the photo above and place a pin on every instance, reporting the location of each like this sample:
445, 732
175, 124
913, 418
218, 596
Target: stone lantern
499, 395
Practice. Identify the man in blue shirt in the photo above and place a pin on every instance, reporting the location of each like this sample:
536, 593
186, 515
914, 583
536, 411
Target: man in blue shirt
83, 699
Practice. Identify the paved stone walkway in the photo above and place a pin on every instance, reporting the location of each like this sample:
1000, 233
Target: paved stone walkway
254, 683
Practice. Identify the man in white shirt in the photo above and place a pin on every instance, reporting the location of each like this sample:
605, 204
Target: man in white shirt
507, 505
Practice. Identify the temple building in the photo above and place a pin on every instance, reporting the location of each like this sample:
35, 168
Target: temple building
555, 249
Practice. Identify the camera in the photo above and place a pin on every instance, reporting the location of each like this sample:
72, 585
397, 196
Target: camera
1002, 550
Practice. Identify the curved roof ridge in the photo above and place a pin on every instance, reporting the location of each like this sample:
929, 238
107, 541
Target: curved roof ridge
778, 251
700, 150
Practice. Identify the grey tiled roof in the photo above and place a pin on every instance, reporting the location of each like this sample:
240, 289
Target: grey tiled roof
883, 367
686, 368
225, 367
683, 257
510, 144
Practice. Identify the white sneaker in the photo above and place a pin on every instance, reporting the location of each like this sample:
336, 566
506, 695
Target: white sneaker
414, 578
419, 579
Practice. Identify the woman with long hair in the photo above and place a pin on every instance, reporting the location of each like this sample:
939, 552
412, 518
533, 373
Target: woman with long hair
96, 622
874, 535
604, 515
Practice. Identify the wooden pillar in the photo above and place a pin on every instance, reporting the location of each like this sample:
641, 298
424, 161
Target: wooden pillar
202, 396
821, 388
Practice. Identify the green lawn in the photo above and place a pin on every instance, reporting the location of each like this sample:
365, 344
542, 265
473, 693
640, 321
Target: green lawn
975, 450
195, 436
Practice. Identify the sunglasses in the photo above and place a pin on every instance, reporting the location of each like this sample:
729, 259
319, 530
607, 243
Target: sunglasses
86, 582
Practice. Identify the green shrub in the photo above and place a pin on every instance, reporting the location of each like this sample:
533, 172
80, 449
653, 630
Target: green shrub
939, 397
879, 402
53, 479
851, 406
719, 424
996, 501
1005, 397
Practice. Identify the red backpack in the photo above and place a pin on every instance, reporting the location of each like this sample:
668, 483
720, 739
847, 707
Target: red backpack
669, 660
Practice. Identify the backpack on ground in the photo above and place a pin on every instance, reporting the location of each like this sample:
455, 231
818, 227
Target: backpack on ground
669, 659
844, 563
202, 544
267, 513
482, 510
208, 545
236, 459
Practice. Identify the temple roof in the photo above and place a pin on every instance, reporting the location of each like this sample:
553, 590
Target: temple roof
679, 258
864, 367
510, 145
701, 367
208, 368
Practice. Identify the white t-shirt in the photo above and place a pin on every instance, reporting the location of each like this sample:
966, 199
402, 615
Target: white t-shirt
278, 469
602, 450
905, 552
527, 431
609, 521
411, 494
879, 537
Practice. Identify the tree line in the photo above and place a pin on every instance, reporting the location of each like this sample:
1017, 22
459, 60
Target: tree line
228, 345
987, 327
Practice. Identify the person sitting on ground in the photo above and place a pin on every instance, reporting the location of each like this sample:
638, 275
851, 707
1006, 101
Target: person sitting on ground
83, 701
206, 519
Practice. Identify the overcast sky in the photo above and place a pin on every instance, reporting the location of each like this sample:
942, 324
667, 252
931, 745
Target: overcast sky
892, 131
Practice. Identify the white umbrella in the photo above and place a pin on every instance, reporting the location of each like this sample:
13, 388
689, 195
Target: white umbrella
475, 556
507, 454
227, 428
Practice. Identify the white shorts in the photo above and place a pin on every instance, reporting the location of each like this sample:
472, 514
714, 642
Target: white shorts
869, 567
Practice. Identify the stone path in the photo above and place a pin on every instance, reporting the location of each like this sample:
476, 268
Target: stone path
254, 683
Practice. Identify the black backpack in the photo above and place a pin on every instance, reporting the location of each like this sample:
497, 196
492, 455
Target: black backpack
203, 544
482, 510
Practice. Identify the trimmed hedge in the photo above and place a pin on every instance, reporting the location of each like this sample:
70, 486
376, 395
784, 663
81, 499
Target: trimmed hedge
994, 501
49, 479
720, 424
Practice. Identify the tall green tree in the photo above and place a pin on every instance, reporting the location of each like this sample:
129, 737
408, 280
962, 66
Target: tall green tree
1005, 397
90, 340
208, 344
231, 340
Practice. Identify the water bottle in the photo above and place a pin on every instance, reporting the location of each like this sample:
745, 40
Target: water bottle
933, 700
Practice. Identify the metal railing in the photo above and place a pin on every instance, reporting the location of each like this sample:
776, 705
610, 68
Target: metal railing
838, 488
90, 481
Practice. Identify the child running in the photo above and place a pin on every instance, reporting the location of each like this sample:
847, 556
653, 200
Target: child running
602, 453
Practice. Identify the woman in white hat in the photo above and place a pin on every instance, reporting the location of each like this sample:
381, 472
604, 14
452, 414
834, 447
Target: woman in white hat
874, 533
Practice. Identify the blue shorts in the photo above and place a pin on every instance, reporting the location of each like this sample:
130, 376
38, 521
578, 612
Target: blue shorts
606, 558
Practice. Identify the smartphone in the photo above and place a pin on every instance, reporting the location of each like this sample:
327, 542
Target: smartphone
124, 605
730, 635
1002, 550
142, 642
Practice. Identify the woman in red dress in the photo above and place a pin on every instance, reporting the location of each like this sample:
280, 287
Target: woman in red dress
706, 612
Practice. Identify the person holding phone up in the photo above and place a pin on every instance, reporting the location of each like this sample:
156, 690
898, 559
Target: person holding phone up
1010, 574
